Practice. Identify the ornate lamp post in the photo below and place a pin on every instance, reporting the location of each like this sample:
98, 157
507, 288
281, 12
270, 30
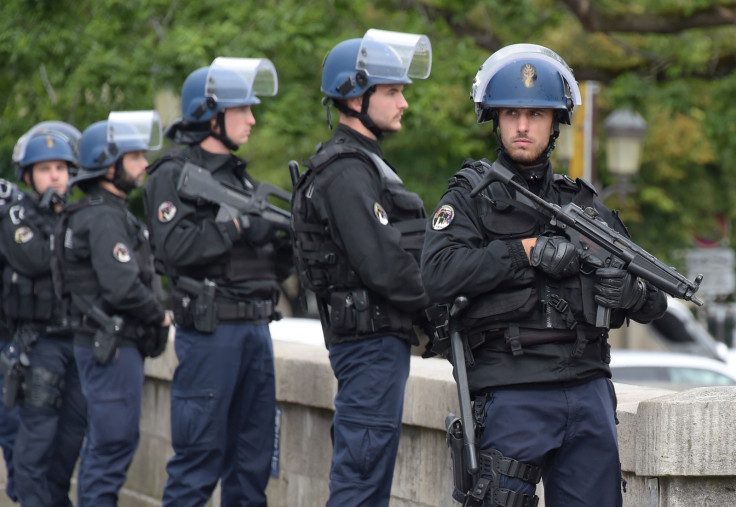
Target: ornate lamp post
625, 130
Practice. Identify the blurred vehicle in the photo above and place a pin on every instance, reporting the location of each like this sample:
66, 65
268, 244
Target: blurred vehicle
298, 330
669, 369
679, 331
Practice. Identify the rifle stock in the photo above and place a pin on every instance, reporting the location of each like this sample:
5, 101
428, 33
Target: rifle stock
601, 240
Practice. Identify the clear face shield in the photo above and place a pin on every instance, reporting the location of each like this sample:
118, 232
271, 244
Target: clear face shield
394, 56
522, 52
63, 130
134, 130
238, 81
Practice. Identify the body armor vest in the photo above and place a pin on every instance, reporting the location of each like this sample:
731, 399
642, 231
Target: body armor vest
79, 277
320, 262
242, 263
546, 304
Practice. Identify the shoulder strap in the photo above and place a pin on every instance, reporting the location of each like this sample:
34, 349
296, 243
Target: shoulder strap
328, 154
175, 155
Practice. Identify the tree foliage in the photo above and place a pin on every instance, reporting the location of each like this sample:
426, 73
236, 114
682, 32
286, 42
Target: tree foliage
672, 60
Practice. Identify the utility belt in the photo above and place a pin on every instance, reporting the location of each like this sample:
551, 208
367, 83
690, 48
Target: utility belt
355, 311
196, 306
514, 338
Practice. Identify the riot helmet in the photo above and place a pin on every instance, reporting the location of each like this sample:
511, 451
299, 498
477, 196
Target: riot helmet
48, 140
208, 91
354, 67
525, 76
104, 143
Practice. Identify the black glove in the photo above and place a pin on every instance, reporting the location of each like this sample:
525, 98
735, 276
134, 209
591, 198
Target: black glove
617, 288
256, 230
152, 340
555, 256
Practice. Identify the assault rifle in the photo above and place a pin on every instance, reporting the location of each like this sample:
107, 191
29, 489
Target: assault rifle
198, 183
584, 227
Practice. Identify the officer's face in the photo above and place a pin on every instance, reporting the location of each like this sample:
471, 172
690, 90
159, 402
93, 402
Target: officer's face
386, 107
525, 132
238, 123
49, 173
134, 165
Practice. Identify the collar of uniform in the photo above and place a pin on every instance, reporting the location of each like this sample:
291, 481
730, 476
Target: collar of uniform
344, 134
215, 161
98, 191
537, 177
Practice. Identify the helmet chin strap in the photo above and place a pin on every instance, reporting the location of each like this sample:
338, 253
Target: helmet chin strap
222, 134
363, 114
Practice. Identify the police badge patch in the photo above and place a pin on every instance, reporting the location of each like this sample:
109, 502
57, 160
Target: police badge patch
380, 213
443, 217
23, 235
166, 212
121, 253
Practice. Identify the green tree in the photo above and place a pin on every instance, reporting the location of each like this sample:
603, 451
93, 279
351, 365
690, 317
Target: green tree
670, 60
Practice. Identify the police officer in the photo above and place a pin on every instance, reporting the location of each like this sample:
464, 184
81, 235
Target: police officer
544, 402
52, 407
9, 194
358, 234
225, 269
106, 269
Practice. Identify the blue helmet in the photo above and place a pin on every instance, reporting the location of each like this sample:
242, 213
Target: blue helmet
51, 140
381, 57
103, 143
227, 82
525, 76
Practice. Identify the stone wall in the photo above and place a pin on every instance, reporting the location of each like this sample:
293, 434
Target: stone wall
677, 448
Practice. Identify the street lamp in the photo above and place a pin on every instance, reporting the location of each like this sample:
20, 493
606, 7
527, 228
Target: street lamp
624, 130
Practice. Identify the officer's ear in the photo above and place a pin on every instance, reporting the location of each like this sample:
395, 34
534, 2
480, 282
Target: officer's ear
355, 104
27, 177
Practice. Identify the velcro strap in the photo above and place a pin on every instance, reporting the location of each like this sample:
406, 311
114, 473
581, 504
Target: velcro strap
494, 461
245, 310
512, 339
508, 498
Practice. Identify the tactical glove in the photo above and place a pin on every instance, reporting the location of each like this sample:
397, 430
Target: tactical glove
555, 256
617, 288
256, 230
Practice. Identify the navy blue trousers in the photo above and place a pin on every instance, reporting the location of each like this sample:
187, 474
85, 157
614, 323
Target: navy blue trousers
371, 379
9, 421
569, 432
223, 405
50, 436
113, 393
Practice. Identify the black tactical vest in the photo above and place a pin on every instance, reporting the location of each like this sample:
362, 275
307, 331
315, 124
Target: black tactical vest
547, 304
320, 262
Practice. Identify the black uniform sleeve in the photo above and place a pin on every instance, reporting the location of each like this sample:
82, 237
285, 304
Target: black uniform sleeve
26, 247
456, 261
111, 254
372, 248
181, 234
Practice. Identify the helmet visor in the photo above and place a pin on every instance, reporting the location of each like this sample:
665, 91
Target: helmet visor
240, 80
410, 55
516, 52
67, 132
134, 128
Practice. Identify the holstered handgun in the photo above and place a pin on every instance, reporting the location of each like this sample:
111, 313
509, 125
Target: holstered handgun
107, 337
202, 306
462, 480
12, 367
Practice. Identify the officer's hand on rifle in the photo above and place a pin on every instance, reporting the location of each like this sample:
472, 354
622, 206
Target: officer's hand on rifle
255, 229
555, 256
617, 288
